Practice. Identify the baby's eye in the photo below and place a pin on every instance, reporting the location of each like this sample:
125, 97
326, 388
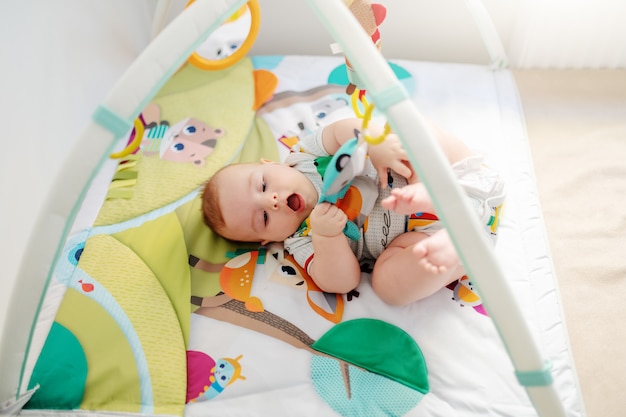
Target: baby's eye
265, 217
263, 186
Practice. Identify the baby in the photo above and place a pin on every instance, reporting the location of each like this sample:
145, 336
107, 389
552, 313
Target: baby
270, 202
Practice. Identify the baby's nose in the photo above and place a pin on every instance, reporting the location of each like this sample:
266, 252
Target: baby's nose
273, 201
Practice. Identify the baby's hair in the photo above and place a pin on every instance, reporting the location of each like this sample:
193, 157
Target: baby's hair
211, 212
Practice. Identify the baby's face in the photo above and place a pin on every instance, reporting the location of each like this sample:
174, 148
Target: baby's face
264, 202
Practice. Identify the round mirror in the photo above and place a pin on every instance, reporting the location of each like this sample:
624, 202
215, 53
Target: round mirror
231, 41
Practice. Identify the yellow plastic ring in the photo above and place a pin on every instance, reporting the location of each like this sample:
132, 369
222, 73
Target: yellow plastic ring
355, 103
134, 145
367, 116
217, 64
375, 141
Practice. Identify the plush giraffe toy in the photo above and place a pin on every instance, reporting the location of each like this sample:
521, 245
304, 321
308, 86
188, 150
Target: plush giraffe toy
370, 16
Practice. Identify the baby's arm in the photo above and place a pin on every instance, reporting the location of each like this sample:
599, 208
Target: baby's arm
334, 268
388, 154
337, 133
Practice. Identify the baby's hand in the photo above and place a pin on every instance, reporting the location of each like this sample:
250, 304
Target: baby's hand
389, 154
328, 220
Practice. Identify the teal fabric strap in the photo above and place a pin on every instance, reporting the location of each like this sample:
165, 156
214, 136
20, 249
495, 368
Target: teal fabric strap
389, 96
536, 378
111, 121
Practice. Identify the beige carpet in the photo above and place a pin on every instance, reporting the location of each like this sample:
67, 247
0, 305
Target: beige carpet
576, 122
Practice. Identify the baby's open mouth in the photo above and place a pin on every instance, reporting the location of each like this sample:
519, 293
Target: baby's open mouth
294, 201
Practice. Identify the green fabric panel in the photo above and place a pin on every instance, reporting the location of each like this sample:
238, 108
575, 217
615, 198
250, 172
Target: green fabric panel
112, 381
123, 193
149, 309
125, 174
358, 392
161, 245
61, 371
259, 144
204, 244
379, 347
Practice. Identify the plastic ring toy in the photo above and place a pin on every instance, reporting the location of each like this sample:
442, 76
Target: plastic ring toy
134, 144
356, 97
367, 116
217, 64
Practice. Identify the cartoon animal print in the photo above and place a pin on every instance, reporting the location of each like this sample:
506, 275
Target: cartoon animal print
323, 109
189, 140
275, 265
288, 272
291, 114
226, 372
211, 376
463, 293
237, 276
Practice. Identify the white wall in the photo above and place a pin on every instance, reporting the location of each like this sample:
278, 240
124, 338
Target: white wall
569, 34
534, 33
441, 30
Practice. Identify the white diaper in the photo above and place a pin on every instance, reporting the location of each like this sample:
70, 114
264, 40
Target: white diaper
485, 188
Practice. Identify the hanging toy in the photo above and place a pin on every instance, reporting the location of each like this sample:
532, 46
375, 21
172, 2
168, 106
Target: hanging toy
367, 116
370, 16
349, 160
346, 163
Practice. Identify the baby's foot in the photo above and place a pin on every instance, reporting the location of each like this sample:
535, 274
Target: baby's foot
412, 198
436, 253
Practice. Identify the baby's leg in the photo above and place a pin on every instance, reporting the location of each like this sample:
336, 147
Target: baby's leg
400, 277
412, 198
436, 252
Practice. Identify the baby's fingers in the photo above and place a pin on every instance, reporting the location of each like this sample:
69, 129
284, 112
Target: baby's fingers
383, 177
402, 168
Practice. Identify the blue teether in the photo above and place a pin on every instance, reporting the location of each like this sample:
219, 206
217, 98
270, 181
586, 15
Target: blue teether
346, 163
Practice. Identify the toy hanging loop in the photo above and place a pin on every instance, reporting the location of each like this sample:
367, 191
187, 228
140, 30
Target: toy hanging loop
356, 96
367, 116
